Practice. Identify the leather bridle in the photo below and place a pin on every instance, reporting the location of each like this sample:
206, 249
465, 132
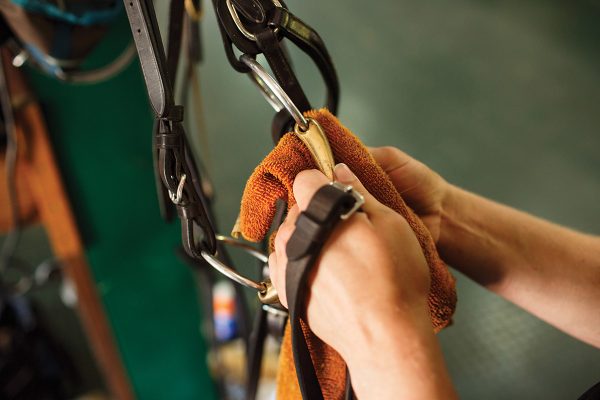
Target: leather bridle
253, 27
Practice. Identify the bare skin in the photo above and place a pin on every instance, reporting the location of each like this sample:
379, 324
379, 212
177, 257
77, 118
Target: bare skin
383, 330
549, 270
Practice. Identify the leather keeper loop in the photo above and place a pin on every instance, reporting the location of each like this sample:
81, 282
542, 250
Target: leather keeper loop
168, 140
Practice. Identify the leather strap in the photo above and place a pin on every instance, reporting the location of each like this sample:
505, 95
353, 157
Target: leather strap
309, 41
313, 227
176, 12
146, 36
269, 45
592, 393
270, 24
176, 168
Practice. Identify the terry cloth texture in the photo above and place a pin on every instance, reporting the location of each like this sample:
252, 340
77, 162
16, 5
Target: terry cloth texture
273, 179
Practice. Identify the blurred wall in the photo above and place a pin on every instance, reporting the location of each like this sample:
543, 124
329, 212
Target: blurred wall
500, 97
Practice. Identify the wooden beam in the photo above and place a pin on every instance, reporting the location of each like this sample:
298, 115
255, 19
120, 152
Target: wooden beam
45, 189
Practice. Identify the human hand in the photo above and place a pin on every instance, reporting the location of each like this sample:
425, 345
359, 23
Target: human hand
423, 189
371, 274
368, 297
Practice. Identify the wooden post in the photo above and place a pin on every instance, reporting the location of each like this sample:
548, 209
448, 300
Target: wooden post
42, 197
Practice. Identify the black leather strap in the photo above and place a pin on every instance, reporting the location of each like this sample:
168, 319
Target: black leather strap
592, 393
146, 36
269, 45
176, 168
176, 12
270, 24
313, 227
309, 41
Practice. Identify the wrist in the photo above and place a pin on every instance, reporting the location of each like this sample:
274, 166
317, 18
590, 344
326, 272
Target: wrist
450, 213
399, 348
388, 330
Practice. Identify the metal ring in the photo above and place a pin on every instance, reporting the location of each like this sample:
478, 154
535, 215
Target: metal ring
272, 91
230, 272
238, 22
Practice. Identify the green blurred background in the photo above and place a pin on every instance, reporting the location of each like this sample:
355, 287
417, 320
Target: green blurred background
502, 98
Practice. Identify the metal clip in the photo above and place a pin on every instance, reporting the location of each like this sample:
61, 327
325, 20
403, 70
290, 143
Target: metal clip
177, 197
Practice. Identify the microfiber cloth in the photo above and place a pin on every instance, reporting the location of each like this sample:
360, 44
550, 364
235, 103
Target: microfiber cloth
273, 179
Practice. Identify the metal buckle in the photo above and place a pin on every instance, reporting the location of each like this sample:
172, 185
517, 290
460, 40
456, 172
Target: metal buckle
359, 198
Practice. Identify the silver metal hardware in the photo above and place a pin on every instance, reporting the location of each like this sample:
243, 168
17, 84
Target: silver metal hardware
266, 292
238, 22
360, 200
275, 311
177, 197
274, 94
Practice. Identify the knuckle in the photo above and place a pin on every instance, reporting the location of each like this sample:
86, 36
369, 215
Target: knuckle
283, 236
388, 151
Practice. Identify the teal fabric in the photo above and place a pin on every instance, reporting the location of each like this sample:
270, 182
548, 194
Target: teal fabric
102, 138
77, 15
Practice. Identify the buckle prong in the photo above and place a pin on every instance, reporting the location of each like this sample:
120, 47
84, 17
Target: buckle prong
360, 200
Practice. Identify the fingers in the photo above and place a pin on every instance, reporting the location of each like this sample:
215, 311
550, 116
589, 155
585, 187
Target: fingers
390, 158
308, 182
306, 185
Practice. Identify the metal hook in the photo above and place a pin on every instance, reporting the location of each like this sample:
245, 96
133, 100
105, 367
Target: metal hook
177, 197
238, 22
274, 94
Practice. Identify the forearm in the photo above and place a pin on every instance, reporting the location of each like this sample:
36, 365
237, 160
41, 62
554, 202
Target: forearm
551, 271
398, 357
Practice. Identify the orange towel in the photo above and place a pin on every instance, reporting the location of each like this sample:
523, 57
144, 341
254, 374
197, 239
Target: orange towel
273, 179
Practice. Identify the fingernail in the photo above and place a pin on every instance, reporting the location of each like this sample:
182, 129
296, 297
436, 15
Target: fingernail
343, 173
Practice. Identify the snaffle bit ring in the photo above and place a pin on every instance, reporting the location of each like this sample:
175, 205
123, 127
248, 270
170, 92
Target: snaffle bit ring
266, 292
274, 94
